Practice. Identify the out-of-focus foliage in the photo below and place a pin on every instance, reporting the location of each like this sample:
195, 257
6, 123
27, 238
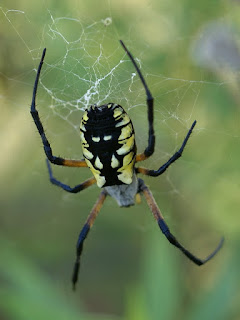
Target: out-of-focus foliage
129, 270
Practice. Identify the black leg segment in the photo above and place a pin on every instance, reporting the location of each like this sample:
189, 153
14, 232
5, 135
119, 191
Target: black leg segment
177, 155
83, 234
38, 123
67, 188
35, 115
151, 136
165, 230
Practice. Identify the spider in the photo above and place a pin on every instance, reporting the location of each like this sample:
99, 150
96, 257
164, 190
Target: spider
109, 150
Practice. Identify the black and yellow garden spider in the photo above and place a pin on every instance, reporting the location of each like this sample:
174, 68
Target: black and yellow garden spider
109, 150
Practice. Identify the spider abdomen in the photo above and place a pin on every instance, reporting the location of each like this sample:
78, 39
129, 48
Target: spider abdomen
108, 144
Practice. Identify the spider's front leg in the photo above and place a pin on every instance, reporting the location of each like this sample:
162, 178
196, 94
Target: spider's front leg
37, 121
165, 229
177, 155
151, 135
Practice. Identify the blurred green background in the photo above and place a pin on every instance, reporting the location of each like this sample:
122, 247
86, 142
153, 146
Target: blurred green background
188, 52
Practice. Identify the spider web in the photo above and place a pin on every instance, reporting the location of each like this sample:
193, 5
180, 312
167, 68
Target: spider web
89, 66
85, 64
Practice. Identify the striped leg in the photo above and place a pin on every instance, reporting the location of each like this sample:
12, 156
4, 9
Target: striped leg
151, 136
67, 188
83, 234
177, 155
46, 144
165, 230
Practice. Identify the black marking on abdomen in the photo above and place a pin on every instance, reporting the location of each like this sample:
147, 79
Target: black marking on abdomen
100, 123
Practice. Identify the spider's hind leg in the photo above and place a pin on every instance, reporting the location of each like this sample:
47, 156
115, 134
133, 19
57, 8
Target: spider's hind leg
83, 234
165, 230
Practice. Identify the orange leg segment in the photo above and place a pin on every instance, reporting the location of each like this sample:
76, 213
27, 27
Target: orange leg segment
74, 163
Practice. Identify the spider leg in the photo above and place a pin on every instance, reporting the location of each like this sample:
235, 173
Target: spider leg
84, 232
46, 144
163, 168
165, 230
67, 188
151, 136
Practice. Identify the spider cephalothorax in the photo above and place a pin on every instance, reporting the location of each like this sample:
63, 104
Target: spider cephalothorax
109, 150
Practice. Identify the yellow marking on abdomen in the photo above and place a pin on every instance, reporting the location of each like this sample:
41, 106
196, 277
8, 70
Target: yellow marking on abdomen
98, 163
127, 169
96, 139
126, 132
114, 162
106, 138
82, 127
125, 120
85, 116
100, 180
84, 141
127, 159
87, 153
127, 145
117, 112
